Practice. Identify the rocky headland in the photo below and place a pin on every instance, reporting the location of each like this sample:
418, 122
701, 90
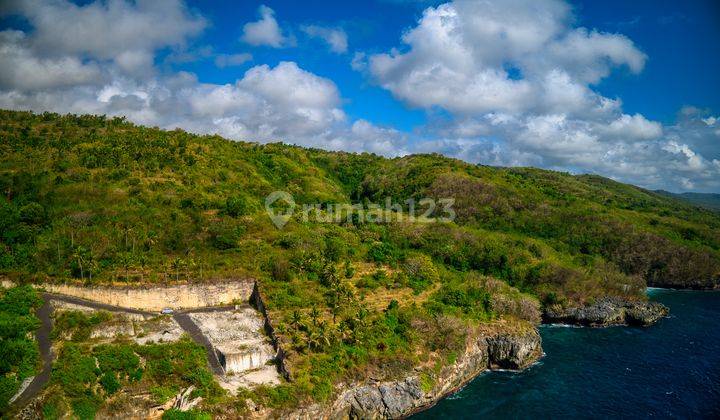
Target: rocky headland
500, 350
421, 389
605, 312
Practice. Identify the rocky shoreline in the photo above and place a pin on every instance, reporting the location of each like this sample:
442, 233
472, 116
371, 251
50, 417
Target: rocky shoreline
401, 398
606, 312
503, 350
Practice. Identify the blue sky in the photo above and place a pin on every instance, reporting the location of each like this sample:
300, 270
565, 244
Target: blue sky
683, 65
628, 90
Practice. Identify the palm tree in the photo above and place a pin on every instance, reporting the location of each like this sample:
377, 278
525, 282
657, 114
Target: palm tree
127, 229
323, 335
344, 331
313, 340
79, 256
142, 260
92, 266
176, 264
189, 266
297, 341
127, 261
340, 294
314, 315
359, 323
296, 320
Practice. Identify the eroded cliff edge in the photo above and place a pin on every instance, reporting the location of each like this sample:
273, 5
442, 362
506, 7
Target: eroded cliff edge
422, 389
607, 311
499, 350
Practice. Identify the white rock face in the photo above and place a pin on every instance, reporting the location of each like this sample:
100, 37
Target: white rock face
240, 360
238, 338
155, 298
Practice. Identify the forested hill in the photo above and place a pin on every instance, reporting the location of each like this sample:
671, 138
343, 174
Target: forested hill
99, 199
707, 200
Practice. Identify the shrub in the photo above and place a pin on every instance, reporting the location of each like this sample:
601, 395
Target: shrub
278, 396
471, 301
161, 394
109, 383
85, 407
225, 235
237, 205
74, 371
8, 388
421, 272
281, 270
19, 300
78, 324
382, 253
119, 359
32, 213
426, 382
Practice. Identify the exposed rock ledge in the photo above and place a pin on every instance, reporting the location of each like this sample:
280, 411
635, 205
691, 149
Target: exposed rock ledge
607, 311
394, 399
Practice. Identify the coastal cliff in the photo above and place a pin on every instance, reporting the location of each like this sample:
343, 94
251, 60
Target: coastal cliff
607, 311
502, 350
422, 389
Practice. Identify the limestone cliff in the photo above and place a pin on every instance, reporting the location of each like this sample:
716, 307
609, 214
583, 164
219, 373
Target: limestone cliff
155, 298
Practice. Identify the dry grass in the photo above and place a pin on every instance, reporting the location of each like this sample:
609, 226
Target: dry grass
380, 298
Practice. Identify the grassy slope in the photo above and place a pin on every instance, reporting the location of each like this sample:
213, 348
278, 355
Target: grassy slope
100, 200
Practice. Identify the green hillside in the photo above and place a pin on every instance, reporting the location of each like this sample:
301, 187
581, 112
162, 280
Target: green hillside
706, 200
99, 200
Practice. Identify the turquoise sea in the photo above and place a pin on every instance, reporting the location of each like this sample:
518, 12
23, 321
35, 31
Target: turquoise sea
669, 370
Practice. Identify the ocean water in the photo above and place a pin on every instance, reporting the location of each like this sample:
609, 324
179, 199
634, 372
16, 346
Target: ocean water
669, 370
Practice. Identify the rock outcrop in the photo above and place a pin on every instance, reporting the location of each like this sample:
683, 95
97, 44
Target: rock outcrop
400, 398
513, 351
155, 298
238, 339
606, 312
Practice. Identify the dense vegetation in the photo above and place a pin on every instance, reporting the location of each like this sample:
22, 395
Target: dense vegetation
97, 200
18, 352
86, 376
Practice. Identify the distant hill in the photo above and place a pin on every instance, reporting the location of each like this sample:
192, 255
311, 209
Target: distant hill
706, 200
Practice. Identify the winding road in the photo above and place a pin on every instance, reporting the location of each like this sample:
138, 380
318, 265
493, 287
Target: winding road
42, 335
187, 324
95, 305
43, 338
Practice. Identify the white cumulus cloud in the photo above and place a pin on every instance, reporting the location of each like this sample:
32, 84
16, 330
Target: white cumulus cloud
335, 38
516, 80
517, 56
265, 31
